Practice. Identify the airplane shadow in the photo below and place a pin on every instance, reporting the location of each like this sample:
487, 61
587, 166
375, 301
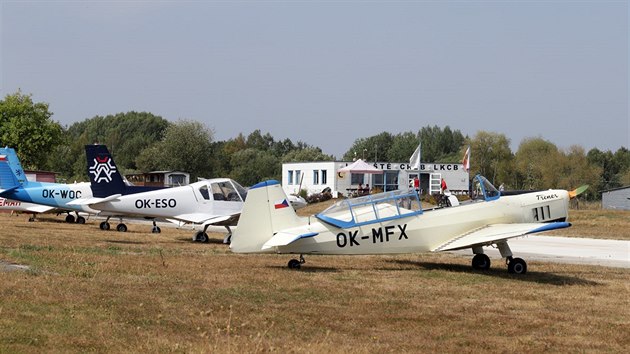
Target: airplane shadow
500, 272
210, 240
127, 242
306, 269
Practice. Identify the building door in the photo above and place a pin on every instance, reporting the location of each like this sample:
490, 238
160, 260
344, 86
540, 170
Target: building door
435, 181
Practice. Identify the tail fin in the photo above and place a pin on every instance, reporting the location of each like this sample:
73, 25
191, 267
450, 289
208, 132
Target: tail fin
104, 175
266, 211
11, 172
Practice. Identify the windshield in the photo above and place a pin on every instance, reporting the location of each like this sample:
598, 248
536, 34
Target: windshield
483, 189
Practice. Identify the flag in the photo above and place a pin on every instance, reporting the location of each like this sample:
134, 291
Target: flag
414, 160
466, 160
280, 204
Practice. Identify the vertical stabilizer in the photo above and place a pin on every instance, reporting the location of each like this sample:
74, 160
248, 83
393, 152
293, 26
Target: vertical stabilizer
266, 211
104, 175
11, 172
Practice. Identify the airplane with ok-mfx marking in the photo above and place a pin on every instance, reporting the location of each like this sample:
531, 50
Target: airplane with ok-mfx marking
209, 202
15, 186
393, 222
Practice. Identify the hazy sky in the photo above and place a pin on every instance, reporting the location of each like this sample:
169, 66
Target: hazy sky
329, 72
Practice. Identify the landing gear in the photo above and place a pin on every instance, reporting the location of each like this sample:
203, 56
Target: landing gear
156, 229
80, 220
516, 265
70, 218
481, 262
228, 238
121, 227
201, 236
104, 226
295, 263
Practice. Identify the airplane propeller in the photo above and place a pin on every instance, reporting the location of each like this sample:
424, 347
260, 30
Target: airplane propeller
579, 190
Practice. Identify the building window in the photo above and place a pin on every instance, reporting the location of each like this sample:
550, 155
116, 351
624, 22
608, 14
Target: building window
315, 177
324, 177
357, 178
297, 176
290, 177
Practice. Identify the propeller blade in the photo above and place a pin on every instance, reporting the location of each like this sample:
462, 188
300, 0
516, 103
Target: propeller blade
579, 190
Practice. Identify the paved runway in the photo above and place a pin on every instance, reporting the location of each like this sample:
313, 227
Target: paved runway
610, 253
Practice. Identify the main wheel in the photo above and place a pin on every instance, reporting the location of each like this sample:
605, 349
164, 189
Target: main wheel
121, 227
70, 218
104, 226
80, 220
156, 230
294, 264
481, 262
517, 266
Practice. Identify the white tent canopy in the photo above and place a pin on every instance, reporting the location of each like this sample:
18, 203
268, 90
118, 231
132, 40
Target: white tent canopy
360, 166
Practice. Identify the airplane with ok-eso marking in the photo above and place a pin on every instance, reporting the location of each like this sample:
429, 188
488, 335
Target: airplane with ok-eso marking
393, 222
208, 202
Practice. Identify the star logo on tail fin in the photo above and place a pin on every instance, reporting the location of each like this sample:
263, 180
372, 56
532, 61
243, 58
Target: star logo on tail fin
102, 169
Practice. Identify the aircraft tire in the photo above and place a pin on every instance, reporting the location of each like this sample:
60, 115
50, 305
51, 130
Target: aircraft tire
156, 230
70, 219
517, 266
80, 220
104, 226
204, 238
294, 264
121, 227
481, 262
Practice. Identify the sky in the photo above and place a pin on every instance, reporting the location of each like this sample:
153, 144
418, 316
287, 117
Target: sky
330, 72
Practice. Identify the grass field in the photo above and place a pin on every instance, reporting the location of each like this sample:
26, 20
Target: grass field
87, 290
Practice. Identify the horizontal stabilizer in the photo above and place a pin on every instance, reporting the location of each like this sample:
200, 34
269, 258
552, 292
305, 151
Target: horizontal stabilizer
92, 201
285, 238
492, 233
5, 190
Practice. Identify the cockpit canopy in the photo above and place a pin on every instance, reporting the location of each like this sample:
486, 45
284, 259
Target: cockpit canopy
223, 189
372, 208
482, 189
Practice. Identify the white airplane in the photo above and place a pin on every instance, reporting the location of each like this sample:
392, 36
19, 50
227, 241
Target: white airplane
208, 202
393, 222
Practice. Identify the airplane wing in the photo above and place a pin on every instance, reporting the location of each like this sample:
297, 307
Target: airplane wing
490, 234
202, 218
285, 238
38, 209
91, 201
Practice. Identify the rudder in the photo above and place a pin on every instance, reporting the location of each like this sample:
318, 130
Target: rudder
104, 176
266, 211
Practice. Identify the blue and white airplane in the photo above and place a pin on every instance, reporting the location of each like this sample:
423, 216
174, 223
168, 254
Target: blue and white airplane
15, 186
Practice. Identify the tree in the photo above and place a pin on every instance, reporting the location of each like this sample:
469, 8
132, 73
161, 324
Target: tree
186, 146
374, 148
251, 166
307, 154
438, 144
26, 126
490, 152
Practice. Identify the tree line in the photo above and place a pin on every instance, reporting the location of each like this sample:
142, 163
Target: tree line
142, 142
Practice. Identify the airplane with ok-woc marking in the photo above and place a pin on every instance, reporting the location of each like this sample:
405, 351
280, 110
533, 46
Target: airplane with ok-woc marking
209, 202
15, 186
394, 222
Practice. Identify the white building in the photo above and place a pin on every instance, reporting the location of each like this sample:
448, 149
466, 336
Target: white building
316, 176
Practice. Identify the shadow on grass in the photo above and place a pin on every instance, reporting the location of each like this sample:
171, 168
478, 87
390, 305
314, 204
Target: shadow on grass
125, 242
500, 272
217, 241
306, 269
